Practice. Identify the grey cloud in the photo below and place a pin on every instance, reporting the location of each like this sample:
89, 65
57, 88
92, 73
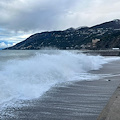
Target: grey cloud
28, 15
40, 14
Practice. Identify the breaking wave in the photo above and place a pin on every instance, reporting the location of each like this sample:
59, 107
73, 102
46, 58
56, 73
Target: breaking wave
29, 78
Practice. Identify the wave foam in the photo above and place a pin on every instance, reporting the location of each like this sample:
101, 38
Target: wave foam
30, 78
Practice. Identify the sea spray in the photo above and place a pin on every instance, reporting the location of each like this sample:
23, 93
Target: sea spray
29, 78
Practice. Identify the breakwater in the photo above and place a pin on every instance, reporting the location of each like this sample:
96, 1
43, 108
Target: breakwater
103, 52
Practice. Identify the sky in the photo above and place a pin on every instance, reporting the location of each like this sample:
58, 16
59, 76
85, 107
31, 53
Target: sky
21, 18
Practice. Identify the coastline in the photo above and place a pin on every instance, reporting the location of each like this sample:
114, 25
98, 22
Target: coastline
81, 100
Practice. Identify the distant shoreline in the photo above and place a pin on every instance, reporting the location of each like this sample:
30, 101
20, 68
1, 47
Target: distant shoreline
94, 52
103, 52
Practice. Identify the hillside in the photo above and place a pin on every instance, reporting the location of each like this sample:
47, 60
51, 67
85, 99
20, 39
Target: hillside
102, 36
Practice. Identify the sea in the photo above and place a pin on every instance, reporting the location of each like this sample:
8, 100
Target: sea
27, 75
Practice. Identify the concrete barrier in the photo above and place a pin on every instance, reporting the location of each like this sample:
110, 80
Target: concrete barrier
112, 109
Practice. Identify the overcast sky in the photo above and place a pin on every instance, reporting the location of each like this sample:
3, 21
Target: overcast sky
21, 18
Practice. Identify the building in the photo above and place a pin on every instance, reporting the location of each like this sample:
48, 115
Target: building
94, 41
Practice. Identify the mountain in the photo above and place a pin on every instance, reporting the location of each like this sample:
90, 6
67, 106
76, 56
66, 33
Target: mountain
115, 24
102, 36
109, 41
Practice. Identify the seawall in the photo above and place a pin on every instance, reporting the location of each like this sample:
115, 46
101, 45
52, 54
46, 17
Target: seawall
103, 52
112, 109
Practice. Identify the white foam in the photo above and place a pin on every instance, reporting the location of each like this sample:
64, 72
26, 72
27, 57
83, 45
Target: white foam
30, 78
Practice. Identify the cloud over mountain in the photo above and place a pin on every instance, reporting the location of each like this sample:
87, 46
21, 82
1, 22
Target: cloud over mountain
5, 44
20, 18
26, 15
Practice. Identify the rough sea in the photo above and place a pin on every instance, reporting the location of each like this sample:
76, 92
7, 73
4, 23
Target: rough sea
28, 75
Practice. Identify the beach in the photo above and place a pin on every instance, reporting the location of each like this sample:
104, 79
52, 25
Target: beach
80, 100
59, 60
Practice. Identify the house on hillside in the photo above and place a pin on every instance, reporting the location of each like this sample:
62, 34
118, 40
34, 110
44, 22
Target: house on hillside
94, 41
